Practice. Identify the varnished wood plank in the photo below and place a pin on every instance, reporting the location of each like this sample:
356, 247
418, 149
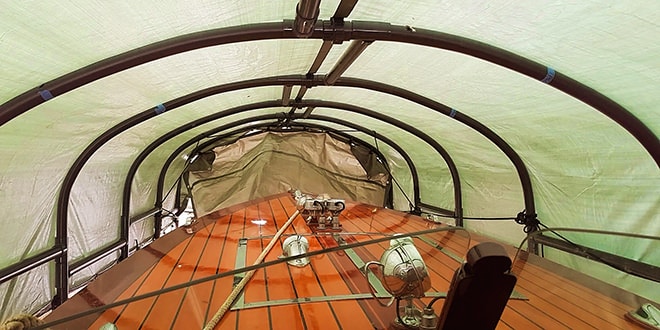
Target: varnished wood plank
305, 280
223, 286
134, 313
286, 317
347, 313
376, 314
280, 286
255, 290
517, 321
354, 281
285, 287
384, 221
111, 315
196, 299
166, 306
590, 301
555, 302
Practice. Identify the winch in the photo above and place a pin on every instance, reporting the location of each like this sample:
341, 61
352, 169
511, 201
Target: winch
320, 212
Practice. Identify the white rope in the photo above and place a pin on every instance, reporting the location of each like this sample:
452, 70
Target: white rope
237, 290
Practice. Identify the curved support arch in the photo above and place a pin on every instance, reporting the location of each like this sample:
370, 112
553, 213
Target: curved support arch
411, 165
268, 104
523, 174
76, 167
388, 141
458, 200
327, 30
125, 221
262, 127
339, 135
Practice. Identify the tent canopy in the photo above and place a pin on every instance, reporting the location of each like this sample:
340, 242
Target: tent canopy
542, 111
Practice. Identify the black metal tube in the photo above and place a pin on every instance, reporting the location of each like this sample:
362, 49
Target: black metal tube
94, 257
350, 55
307, 12
458, 200
521, 169
364, 30
280, 80
324, 30
327, 30
287, 80
388, 141
138, 56
61, 279
174, 155
436, 209
29, 264
392, 121
125, 212
144, 215
630, 266
86, 154
182, 147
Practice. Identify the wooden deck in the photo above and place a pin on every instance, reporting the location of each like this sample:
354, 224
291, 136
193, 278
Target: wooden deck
329, 293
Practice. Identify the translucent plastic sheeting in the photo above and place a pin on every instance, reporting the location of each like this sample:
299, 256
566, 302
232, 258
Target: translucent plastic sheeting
586, 170
271, 163
59, 129
95, 197
579, 39
144, 186
640, 286
436, 186
399, 170
140, 233
563, 142
88, 31
27, 293
98, 190
490, 182
84, 276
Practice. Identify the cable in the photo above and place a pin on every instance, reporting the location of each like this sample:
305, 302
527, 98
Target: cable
238, 271
398, 316
185, 168
410, 203
591, 255
590, 231
430, 305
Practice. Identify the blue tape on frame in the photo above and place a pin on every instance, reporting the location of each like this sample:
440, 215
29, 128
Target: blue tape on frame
549, 75
45, 94
452, 113
160, 109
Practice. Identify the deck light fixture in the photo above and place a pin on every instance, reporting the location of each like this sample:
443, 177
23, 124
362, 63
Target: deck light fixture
404, 275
